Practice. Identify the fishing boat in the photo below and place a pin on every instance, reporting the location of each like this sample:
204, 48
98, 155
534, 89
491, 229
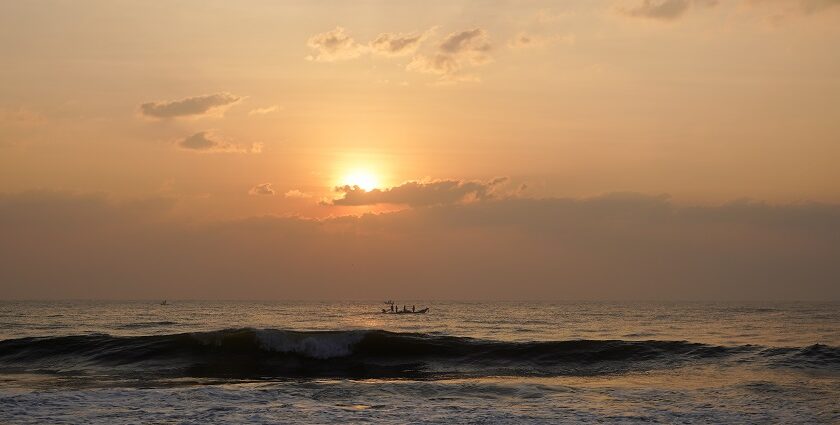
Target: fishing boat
393, 309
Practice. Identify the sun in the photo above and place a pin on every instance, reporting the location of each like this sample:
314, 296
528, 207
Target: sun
362, 178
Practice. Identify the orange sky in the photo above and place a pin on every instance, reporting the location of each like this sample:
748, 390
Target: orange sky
234, 110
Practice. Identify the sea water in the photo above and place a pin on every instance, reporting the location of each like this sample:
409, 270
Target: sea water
345, 362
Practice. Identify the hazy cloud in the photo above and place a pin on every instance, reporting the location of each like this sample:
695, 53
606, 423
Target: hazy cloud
338, 45
548, 16
665, 10
440, 192
457, 51
525, 40
21, 117
262, 189
18, 124
778, 11
334, 45
211, 142
811, 6
191, 106
617, 246
393, 44
472, 42
294, 193
264, 111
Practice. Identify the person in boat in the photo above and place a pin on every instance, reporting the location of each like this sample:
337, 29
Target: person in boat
412, 309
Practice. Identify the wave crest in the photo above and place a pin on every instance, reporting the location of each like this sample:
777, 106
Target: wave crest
314, 345
373, 353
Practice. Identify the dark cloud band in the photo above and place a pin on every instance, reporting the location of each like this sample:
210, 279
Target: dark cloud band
616, 246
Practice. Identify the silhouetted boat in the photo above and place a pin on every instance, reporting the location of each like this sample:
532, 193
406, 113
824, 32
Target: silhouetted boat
394, 310
423, 311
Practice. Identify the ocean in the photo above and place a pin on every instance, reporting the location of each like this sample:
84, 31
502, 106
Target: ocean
108, 362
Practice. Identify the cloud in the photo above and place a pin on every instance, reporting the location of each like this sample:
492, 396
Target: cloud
211, 142
525, 40
262, 189
191, 106
264, 111
472, 42
548, 16
21, 117
812, 6
334, 45
294, 193
618, 246
456, 52
394, 44
459, 50
779, 11
417, 194
17, 125
665, 10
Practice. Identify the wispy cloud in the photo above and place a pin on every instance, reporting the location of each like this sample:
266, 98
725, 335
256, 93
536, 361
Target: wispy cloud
337, 44
264, 111
777, 12
456, 52
17, 124
664, 10
191, 106
415, 194
212, 142
812, 6
459, 50
334, 45
295, 193
397, 44
525, 40
548, 16
21, 117
263, 189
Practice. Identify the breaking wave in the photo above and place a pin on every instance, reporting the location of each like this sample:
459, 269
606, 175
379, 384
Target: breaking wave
270, 353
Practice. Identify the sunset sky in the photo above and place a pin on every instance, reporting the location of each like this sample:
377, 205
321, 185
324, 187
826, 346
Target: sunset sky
442, 149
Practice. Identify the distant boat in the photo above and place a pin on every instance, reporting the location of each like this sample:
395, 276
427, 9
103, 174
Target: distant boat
395, 310
423, 311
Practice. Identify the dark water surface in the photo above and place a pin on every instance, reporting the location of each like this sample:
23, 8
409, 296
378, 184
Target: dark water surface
264, 362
